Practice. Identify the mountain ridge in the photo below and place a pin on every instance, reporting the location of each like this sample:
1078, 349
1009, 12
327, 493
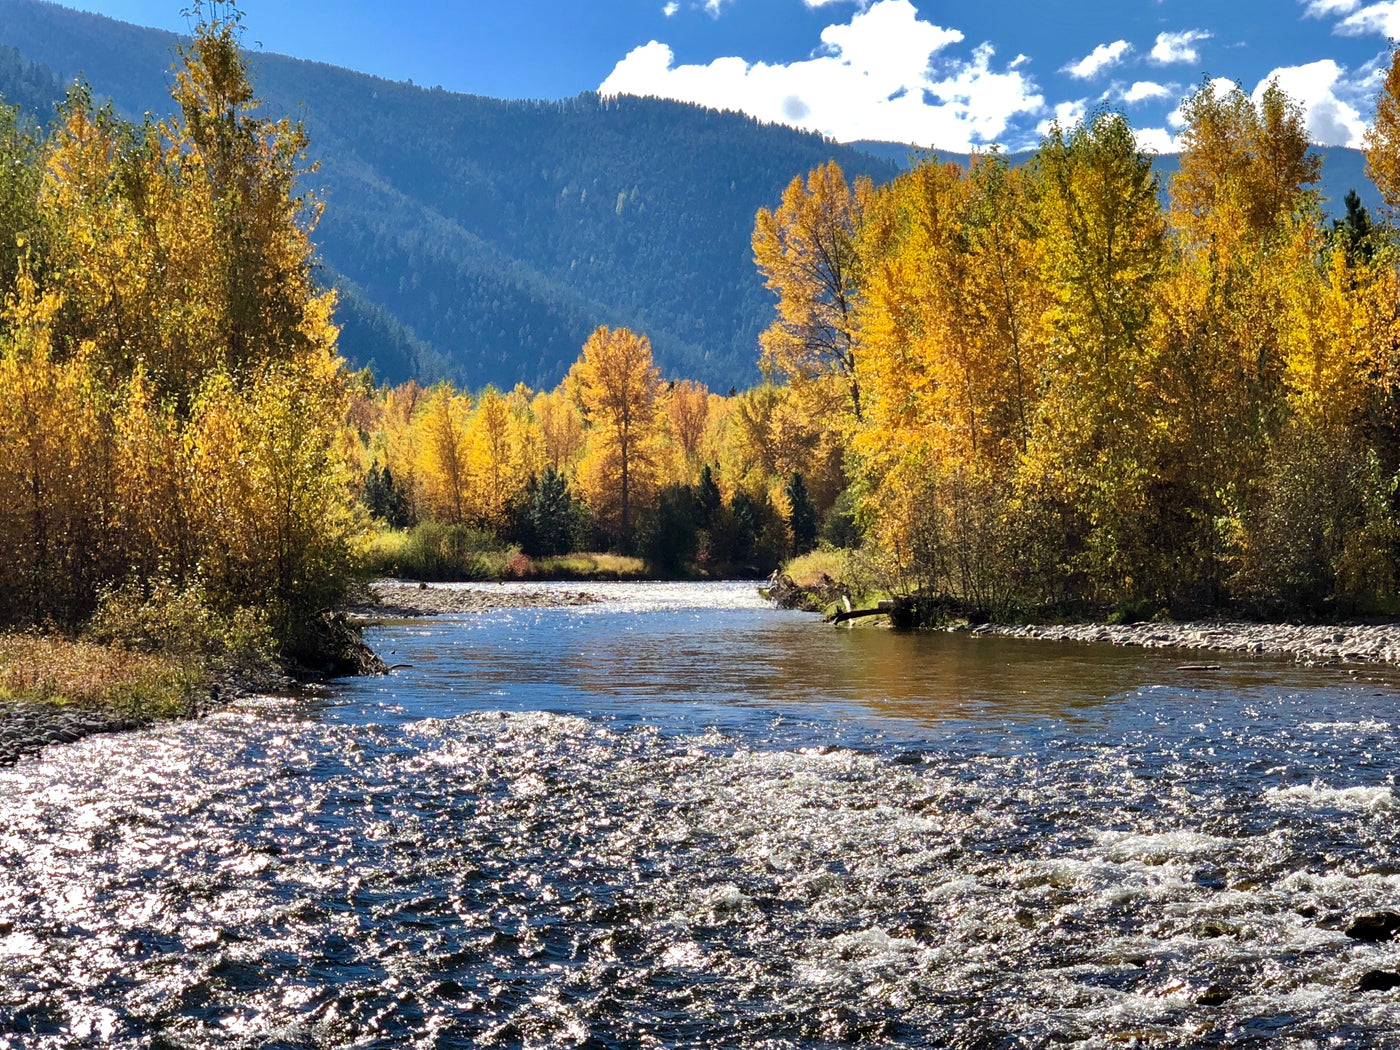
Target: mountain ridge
482, 239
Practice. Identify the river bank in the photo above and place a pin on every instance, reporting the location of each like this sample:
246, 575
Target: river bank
395, 599
1374, 643
58, 690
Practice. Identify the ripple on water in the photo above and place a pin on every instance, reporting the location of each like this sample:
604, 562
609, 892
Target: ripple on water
537, 879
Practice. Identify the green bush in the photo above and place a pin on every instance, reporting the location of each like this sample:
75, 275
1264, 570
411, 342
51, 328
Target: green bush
158, 616
435, 551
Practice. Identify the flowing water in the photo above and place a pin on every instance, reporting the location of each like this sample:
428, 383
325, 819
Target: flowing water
680, 818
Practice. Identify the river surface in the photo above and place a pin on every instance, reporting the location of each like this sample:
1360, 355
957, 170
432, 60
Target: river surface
679, 818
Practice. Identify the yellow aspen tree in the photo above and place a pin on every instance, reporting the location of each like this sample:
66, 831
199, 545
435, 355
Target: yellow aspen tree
561, 427
54, 468
1382, 139
620, 387
443, 443
494, 463
806, 251
1103, 248
688, 412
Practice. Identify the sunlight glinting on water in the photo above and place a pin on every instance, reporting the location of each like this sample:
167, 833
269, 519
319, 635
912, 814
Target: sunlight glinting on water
1130, 857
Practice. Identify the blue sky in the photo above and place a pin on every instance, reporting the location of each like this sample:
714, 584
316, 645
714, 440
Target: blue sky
934, 74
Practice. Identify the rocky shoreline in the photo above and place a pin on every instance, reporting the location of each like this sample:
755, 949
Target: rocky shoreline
1371, 643
27, 728
412, 600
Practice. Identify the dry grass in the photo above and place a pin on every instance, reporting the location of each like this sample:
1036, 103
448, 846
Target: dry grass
808, 570
588, 566
53, 669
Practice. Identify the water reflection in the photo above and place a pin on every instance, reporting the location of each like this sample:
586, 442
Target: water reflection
733, 662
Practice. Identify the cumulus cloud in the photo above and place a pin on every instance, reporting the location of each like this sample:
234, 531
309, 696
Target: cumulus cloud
1156, 140
872, 79
1382, 19
1172, 48
1067, 114
1323, 90
1105, 56
670, 9
1329, 8
1146, 91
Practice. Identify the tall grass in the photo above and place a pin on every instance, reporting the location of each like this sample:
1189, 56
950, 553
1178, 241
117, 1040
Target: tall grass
52, 669
588, 566
437, 552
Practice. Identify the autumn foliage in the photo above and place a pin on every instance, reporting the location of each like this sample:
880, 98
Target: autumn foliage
1063, 390
172, 410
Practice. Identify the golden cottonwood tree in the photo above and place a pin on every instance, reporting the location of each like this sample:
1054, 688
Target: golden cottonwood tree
443, 465
54, 468
1382, 139
688, 413
561, 427
806, 251
619, 386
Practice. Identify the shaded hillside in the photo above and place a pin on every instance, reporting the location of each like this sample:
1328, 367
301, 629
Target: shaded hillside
1342, 169
485, 239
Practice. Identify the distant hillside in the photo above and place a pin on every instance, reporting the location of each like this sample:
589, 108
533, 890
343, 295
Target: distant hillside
1342, 169
485, 239
482, 239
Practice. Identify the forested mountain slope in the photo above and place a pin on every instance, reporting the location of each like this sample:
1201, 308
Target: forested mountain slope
485, 239
1342, 170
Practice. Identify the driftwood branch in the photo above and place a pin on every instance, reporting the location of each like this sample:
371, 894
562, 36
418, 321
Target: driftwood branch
882, 609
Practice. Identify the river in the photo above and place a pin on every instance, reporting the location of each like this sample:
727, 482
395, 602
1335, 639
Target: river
680, 818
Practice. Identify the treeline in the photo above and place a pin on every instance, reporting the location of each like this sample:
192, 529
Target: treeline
501, 233
171, 405
612, 458
1053, 390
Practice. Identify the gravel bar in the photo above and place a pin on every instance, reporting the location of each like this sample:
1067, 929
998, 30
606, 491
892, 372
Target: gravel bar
412, 600
1373, 643
26, 728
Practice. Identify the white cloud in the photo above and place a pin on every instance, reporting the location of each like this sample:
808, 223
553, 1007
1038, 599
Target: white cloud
1329, 8
872, 79
670, 9
1105, 56
814, 4
1172, 48
1322, 89
1382, 19
1156, 140
1145, 91
1067, 114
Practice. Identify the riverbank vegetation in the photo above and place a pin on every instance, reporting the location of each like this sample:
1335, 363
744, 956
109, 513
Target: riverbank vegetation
516, 484
172, 409
1057, 393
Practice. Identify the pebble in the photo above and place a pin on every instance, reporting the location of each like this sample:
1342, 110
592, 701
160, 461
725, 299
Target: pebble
414, 600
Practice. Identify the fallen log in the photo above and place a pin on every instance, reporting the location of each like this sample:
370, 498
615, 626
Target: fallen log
883, 608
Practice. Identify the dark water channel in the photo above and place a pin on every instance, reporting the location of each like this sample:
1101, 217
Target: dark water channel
680, 818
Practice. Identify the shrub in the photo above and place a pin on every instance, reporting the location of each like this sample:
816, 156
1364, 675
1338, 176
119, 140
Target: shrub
160, 617
434, 551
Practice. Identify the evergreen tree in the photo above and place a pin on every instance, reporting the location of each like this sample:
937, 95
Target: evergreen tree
802, 517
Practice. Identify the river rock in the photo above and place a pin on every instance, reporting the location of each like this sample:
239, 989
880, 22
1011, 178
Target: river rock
1379, 981
1353, 642
1379, 926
